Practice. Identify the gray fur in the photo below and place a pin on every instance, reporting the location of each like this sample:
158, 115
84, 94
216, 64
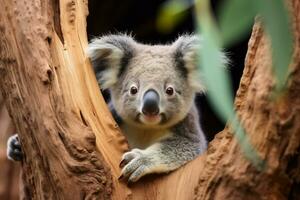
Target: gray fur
174, 136
177, 137
14, 151
110, 56
185, 143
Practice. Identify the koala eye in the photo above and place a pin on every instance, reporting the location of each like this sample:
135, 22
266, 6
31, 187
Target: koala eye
170, 91
133, 90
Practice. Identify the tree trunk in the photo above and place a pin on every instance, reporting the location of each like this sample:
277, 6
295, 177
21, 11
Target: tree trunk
52, 95
44, 73
272, 126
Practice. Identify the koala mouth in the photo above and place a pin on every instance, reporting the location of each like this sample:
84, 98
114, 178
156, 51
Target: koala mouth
150, 119
158, 119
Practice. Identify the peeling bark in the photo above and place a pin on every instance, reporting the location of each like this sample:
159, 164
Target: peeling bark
52, 95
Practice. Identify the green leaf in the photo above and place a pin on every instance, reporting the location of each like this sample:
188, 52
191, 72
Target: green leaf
236, 18
246, 146
217, 81
171, 14
276, 21
219, 92
216, 78
212, 65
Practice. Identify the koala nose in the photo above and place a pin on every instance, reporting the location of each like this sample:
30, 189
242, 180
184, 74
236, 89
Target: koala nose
150, 103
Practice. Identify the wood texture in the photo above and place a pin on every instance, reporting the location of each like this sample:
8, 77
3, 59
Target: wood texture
53, 97
273, 128
43, 79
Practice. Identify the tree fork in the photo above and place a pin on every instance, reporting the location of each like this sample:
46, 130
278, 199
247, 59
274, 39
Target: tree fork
52, 95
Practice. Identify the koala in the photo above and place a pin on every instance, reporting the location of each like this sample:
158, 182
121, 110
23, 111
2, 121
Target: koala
152, 89
14, 151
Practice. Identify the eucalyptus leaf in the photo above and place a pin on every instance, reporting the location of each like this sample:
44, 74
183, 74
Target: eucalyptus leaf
217, 80
171, 14
236, 18
212, 64
276, 21
246, 146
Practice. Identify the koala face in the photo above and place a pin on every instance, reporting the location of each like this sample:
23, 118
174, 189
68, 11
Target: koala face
151, 86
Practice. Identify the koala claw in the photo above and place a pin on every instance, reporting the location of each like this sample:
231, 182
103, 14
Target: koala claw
14, 151
127, 157
135, 165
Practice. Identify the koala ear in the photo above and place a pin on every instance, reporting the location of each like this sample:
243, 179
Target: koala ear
109, 56
186, 58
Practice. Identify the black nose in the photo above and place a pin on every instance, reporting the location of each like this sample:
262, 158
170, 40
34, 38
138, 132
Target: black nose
150, 103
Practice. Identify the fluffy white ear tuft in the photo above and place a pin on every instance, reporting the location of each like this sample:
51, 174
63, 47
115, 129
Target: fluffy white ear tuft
187, 48
109, 56
186, 53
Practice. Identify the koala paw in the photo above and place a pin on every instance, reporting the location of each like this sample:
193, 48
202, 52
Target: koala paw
14, 151
137, 163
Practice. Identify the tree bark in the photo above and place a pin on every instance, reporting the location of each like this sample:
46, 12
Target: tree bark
43, 74
271, 124
52, 95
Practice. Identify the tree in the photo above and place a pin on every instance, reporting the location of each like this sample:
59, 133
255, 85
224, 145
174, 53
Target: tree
50, 92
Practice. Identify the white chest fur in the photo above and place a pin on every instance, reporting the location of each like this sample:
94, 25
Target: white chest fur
142, 138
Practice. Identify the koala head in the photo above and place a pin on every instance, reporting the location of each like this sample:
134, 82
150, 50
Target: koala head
151, 86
